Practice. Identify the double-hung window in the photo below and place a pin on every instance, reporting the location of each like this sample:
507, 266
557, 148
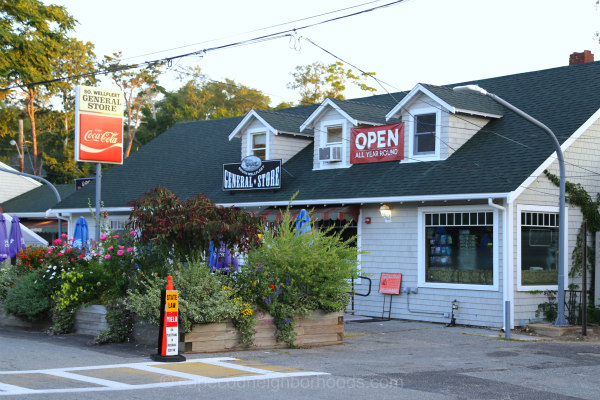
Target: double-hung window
259, 145
424, 137
333, 135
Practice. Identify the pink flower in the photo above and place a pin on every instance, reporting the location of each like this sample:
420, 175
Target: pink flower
110, 248
57, 241
120, 252
72, 240
72, 259
64, 235
107, 257
116, 236
59, 254
133, 232
103, 237
80, 256
67, 250
49, 250
121, 247
130, 249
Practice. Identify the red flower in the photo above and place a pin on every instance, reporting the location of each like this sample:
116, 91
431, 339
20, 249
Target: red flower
272, 287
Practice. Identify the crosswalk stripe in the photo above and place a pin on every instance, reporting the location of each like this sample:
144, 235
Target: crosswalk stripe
141, 376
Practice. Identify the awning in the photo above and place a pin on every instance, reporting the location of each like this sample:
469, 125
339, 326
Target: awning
343, 213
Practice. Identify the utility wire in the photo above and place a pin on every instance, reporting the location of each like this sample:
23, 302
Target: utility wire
169, 60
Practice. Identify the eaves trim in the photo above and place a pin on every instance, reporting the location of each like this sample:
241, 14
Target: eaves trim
373, 200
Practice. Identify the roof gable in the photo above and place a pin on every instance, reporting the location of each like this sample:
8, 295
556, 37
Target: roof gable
451, 101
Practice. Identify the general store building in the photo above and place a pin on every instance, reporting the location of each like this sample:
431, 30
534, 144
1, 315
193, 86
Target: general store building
474, 218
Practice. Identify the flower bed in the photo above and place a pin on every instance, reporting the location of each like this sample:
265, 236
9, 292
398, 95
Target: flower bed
316, 329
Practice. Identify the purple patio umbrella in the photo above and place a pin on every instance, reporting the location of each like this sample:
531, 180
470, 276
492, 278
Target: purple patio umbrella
16, 242
3, 239
222, 259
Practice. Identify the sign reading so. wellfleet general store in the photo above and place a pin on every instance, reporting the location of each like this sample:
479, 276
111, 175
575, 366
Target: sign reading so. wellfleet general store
377, 144
252, 173
99, 125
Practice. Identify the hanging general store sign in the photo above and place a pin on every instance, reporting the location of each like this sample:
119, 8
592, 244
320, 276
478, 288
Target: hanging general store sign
99, 125
252, 173
377, 144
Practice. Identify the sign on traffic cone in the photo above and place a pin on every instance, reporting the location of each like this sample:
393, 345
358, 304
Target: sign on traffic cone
168, 336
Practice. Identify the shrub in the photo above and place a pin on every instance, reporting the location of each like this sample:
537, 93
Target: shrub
291, 274
8, 279
29, 298
120, 321
202, 296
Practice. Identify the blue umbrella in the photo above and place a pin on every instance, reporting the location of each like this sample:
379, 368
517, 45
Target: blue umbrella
81, 234
3, 239
16, 242
303, 222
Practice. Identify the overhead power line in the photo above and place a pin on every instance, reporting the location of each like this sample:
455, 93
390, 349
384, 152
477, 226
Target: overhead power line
169, 60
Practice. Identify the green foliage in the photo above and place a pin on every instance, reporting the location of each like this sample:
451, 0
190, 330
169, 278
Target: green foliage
199, 99
578, 196
8, 279
184, 229
202, 296
318, 81
291, 274
63, 320
138, 86
120, 321
29, 298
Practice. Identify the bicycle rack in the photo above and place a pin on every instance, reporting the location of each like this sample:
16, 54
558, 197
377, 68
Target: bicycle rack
360, 294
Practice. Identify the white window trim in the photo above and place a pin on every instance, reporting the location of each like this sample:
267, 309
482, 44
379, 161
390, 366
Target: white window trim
256, 131
421, 249
551, 209
345, 139
411, 135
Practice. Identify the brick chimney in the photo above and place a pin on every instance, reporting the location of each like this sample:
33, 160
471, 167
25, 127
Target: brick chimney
580, 58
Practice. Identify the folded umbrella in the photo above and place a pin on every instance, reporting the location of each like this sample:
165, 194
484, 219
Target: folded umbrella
3, 239
16, 242
81, 234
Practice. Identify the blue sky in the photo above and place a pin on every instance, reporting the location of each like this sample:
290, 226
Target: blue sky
429, 41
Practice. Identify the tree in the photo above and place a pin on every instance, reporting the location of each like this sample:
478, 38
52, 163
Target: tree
318, 81
200, 99
138, 86
31, 37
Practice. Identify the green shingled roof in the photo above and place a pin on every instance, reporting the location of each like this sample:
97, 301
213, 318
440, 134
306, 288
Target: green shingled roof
37, 200
284, 122
188, 158
363, 112
466, 101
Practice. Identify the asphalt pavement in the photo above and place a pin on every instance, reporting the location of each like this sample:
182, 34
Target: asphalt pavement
378, 360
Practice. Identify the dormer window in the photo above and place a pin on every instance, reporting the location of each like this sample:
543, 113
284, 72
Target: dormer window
334, 135
259, 145
424, 141
424, 137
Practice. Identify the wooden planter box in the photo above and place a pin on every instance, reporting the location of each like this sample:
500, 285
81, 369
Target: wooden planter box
316, 329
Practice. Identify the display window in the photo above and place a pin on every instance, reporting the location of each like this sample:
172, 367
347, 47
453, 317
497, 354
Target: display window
459, 248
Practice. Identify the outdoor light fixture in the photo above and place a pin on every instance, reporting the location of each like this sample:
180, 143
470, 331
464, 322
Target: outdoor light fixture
386, 212
562, 245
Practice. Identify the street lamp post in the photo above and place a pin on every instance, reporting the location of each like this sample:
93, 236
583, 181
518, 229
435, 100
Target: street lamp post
562, 249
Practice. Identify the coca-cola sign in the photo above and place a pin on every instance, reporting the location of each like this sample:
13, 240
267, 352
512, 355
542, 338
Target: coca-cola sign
100, 139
